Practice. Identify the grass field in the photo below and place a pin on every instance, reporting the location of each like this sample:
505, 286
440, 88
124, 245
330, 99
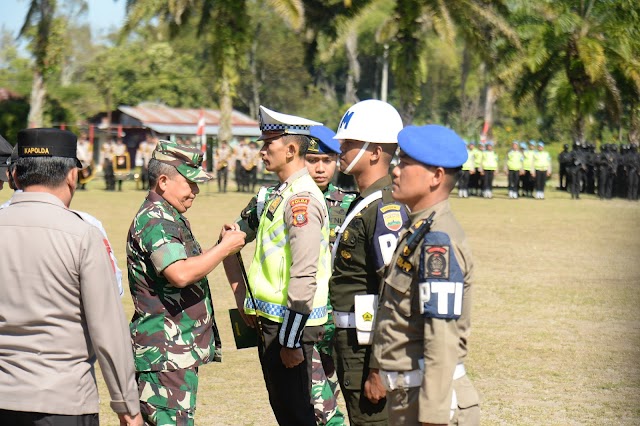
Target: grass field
556, 316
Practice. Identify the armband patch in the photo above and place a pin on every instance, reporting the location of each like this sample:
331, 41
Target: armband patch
299, 210
436, 261
441, 299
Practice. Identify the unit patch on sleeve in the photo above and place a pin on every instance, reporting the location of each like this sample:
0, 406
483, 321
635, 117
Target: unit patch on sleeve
299, 210
436, 262
392, 217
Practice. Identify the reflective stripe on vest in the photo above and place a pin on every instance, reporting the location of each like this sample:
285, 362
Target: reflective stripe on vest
269, 272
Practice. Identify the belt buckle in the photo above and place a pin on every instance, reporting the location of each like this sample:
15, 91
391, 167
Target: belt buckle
390, 378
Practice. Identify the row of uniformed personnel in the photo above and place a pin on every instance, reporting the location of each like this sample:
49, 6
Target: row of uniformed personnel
419, 375
527, 169
407, 366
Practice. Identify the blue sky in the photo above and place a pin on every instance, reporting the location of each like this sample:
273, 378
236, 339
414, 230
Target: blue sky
103, 14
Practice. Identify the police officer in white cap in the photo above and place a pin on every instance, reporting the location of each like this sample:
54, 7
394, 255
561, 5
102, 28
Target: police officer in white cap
423, 323
364, 244
290, 270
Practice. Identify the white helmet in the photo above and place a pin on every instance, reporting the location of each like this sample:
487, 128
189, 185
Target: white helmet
370, 121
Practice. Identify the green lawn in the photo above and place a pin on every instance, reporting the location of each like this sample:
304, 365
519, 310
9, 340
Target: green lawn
556, 317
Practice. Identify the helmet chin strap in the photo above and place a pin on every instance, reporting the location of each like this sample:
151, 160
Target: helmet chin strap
356, 159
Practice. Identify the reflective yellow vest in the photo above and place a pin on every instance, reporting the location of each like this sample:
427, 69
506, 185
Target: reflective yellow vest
469, 164
269, 271
541, 160
528, 160
489, 160
515, 160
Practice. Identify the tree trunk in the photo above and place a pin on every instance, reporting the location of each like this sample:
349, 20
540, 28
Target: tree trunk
353, 77
38, 94
384, 86
254, 105
634, 125
465, 66
489, 103
226, 108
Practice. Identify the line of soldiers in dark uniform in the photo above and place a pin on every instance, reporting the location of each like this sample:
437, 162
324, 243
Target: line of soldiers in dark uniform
612, 172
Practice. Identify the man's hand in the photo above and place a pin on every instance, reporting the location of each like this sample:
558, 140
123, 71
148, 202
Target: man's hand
373, 388
291, 357
127, 420
232, 238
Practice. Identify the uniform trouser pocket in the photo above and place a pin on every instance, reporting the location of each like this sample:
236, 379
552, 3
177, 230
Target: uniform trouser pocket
168, 397
467, 412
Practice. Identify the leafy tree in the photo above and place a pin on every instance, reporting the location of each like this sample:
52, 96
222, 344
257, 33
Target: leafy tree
577, 56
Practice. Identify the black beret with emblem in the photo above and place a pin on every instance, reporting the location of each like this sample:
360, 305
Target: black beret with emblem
47, 143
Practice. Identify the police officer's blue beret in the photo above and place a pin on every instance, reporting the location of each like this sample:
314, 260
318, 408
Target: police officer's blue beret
472, 143
489, 143
325, 142
433, 145
540, 143
523, 145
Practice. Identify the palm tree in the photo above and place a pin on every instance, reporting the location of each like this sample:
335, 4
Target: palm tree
577, 56
221, 24
38, 25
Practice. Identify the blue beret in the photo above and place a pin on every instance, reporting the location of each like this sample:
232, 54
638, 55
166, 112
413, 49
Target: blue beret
326, 144
540, 143
523, 145
433, 145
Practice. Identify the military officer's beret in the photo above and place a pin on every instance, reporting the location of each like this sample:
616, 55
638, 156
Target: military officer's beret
5, 154
433, 145
47, 143
322, 141
187, 160
273, 124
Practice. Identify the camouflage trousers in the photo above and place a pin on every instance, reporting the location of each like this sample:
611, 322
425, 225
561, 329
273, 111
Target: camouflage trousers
168, 397
324, 380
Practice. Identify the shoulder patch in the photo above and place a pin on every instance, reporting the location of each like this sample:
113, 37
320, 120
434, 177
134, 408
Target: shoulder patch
392, 217
299, 210
436, 262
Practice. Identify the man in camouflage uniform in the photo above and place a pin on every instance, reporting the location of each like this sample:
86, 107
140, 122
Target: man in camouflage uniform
173, 328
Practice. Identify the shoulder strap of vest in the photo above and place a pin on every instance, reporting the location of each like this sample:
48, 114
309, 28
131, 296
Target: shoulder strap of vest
261, 200
357, 209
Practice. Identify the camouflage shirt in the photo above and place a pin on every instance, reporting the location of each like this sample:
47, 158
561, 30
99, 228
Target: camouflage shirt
171, 328
338, 202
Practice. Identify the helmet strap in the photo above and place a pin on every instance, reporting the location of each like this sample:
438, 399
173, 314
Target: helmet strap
356, 159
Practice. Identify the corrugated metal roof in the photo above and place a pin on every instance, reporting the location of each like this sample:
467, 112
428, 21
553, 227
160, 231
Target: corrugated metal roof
185, 120
190, 129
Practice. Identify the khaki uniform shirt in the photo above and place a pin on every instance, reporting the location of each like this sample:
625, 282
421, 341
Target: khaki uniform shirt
414, 325
59, 310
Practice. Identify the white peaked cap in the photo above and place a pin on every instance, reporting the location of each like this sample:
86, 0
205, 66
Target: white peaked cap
272, 121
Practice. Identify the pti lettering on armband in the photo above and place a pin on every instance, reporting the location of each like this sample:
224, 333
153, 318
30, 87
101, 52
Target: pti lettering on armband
441, 299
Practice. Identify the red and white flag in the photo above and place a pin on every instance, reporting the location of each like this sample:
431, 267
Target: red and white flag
201, 131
